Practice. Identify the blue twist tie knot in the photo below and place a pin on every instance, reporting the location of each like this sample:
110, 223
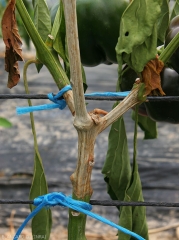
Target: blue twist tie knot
58, 198
58, 100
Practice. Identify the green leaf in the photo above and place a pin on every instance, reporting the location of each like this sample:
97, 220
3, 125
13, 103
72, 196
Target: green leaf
175, 10
123, 183
42, 18
138, 34
85, 86
5, 123
147, 125
42, 22
117, 168
42, 222
59, 33
134, 218
163, 21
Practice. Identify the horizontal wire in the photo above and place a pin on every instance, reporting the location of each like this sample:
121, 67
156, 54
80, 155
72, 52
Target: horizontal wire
106, 203
44, 96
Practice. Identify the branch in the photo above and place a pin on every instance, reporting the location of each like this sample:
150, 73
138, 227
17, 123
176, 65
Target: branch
128, 102
81, 116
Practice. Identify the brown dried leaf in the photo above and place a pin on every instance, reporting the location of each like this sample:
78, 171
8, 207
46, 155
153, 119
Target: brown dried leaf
151, 77
13, 44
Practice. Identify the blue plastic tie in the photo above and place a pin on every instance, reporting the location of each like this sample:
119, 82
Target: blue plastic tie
61, 103
57, 99
58, 198
108, 94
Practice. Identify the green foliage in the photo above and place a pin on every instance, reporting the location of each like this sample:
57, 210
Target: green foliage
41, 223
123, 181
163, 21
117, 169
5, 123
22, 30
175, 10
137, 49
147, 125
59, 33
134, 218
42, 18
42, 22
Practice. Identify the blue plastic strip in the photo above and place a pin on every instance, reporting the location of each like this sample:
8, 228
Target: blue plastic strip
24, 110
60, 102
108, 94
58, 198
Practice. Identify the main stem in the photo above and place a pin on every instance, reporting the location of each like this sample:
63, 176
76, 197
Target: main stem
83, 123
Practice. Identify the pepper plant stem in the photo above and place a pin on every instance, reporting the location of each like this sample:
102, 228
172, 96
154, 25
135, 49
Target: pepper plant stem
170, 49
81, 115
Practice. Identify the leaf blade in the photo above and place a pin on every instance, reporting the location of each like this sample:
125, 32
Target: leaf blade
147, 125
42, 18
137, 49
5, 123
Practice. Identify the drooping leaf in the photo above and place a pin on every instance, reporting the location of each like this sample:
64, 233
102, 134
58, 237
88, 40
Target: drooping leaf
117, 168
134, 218
138, 34
163, 21
175, 10
5, 123
151, 77
147, 125
123, 182
42, 222
13, 44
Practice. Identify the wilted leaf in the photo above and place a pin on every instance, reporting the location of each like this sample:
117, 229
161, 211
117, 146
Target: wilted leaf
117, 168
134, 218
147, 125
138, 34
151, 77
13, 44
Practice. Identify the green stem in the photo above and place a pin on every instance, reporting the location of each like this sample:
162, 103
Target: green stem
44, 55
26, 65
170, 49
135, 137
77, 223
